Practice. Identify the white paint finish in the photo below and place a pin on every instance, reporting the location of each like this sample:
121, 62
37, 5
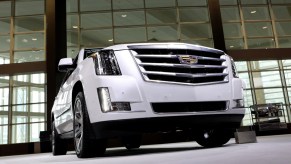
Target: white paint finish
268, 150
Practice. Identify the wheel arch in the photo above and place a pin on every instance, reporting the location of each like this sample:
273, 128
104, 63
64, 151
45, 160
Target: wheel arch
78, 87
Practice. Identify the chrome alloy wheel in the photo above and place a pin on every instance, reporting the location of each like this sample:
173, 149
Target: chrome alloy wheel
78, 126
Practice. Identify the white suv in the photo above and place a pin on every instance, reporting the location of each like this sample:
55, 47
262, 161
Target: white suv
126, 90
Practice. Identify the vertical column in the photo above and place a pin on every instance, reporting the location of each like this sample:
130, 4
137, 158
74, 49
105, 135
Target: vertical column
216, 24
55, 49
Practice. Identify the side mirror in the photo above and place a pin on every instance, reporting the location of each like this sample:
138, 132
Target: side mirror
65, 64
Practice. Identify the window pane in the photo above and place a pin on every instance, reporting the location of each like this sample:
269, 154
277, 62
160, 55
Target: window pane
282, 12
228, 2
280, 1
29, 56
3, 132
4, 93
265, 65
4, 58
230, 14
204, 42
20, 80
129, 18
286, 64
253, 2
19, 119
26, 24
38, 78
192, 3
19, 133
20, 108
37, 94
20, 95
256, 13
72, 6
29, 41
194, 14
241, 66
283, 28
261, 43
232, 30
123, 35
128, 4
265, 96
267, 79
248, 98
284, 42
195, 31
5, 25
72, 51
37, 108
35, 129
100, 38
5, 8
161, 16
72, 38
247, 120
160, 3
234, 43
245, 77
96, 20
29, 7
288, 77
289, 93
162, 33
72, 22
95, 5
4, 43
259, 29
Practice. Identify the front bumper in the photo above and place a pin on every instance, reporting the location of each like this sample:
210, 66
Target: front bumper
115, 128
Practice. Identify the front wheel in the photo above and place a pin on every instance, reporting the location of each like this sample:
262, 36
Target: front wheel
212, 137
84, 139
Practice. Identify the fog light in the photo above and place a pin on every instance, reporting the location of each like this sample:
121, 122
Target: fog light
107, 105
239, 103
104, 99
121, 106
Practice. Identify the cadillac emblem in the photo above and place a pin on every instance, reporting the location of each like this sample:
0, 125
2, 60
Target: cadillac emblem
187, 59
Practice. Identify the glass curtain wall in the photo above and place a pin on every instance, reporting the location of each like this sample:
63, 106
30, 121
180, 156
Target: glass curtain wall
22, 96
100, 23
266, 81
250, 24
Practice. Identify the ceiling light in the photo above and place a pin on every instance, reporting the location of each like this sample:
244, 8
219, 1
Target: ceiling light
110, 40
75, 26
24, 40
8, 40
34, 39
265, 27
253, 12
123, 15
231, 46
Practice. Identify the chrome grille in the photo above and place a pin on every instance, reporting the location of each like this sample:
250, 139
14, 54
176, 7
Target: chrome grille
181, 66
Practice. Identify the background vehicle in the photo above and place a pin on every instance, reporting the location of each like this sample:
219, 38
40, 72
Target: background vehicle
126, 90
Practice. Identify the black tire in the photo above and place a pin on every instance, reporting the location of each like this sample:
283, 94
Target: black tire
84, 139
212, 137
59, 146
132, 142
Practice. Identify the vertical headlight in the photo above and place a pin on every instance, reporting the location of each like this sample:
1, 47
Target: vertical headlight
234, 71
106, 63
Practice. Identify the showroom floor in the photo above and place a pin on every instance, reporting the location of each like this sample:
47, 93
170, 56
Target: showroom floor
268, 150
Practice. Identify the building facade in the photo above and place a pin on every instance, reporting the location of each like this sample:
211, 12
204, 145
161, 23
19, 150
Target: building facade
35, 34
